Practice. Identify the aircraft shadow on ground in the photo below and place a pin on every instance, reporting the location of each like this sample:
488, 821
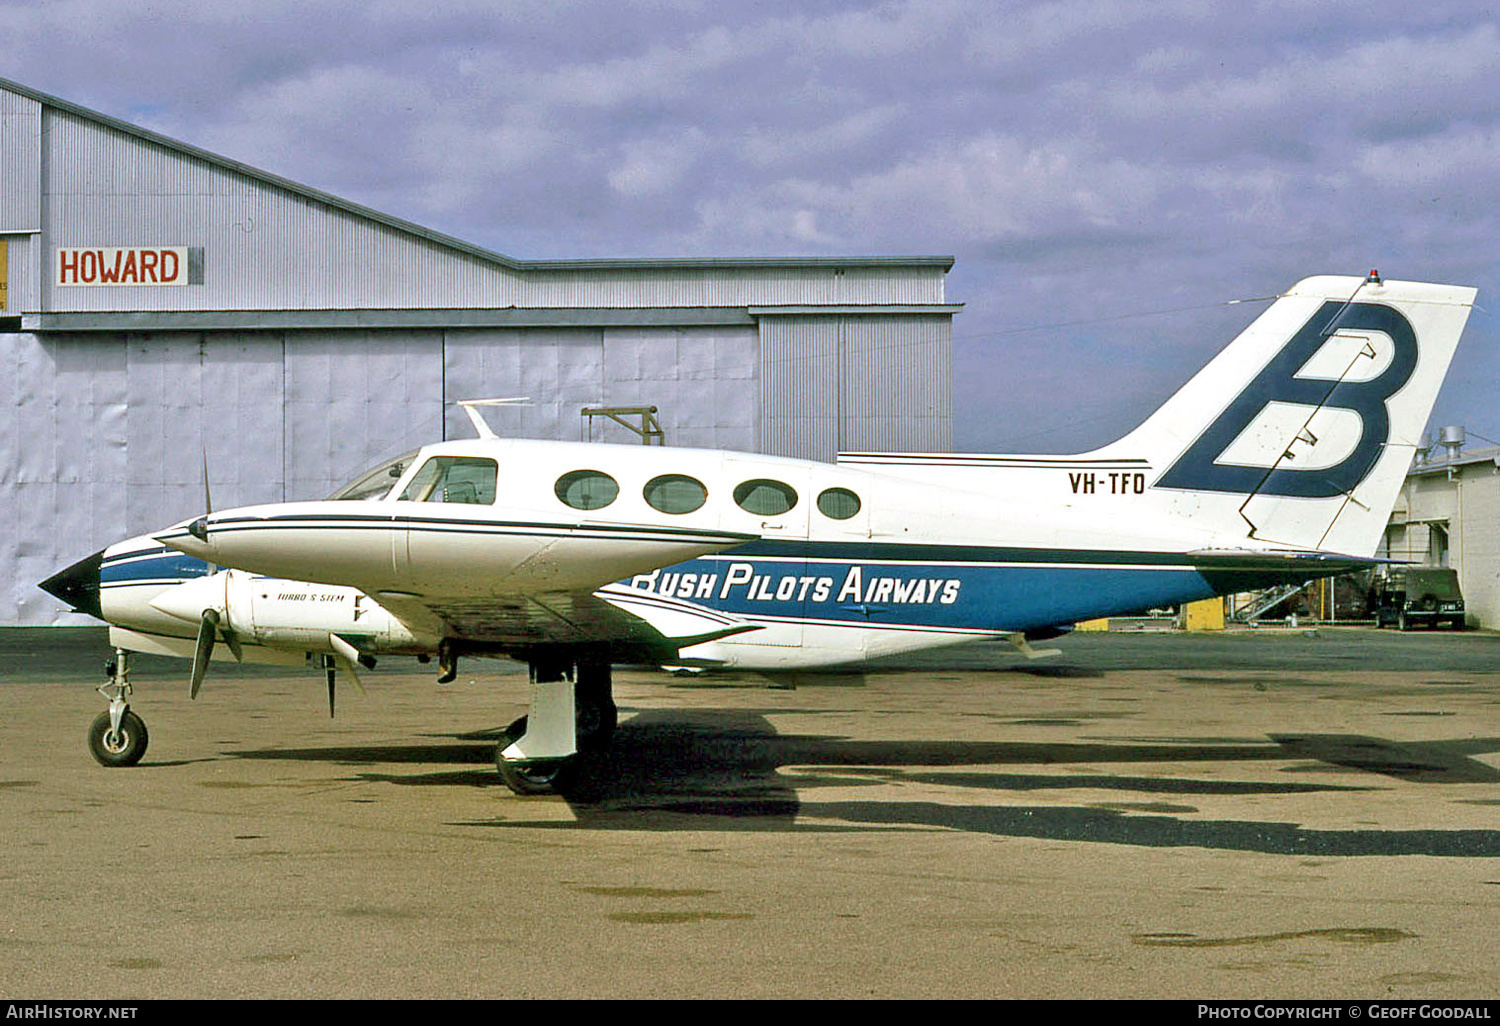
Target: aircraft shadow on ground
730, 770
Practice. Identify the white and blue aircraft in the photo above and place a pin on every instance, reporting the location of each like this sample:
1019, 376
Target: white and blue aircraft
1279, 462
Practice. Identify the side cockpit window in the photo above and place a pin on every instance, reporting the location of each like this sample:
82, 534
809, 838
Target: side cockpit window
465, 479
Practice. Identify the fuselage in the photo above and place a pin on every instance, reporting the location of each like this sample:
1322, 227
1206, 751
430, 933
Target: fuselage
831, 563
1279, 462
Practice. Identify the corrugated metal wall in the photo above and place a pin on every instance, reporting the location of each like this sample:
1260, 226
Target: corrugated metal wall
62, 463
898, 394
263, 248
20, 163
846, 383
267, 248
799, 393
20, 198
702, 381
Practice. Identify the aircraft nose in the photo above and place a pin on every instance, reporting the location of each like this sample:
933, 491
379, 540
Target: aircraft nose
78, 585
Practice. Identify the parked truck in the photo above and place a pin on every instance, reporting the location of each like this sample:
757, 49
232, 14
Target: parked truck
1409, 596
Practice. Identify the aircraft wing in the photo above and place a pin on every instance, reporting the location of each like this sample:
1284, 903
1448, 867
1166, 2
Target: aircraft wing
634, 624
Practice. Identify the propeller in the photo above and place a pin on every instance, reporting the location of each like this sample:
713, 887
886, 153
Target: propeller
209, 621
208, 499
345, 657
204, 600
211, 628
208, 629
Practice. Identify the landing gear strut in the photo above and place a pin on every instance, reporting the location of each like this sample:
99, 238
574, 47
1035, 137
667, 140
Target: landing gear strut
118, 737
572, 710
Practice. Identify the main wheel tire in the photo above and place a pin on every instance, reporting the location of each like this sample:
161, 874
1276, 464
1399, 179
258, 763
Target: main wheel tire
531, 777
118, 748
541, 776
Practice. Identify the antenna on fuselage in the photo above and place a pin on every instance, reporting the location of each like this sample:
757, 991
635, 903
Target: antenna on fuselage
477, 419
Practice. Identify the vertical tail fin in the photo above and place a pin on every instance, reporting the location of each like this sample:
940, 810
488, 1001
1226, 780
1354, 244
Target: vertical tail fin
1301, 432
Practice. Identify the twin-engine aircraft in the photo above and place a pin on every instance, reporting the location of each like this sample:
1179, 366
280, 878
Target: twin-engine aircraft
1277, 463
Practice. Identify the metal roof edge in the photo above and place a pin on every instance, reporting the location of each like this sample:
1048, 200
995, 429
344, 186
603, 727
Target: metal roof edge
449, 241
806, 309
300, 320
1469, 458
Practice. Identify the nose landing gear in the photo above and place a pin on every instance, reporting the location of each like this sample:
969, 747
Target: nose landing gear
118, 737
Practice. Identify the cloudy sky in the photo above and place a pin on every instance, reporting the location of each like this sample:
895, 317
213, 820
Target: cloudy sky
1108, 174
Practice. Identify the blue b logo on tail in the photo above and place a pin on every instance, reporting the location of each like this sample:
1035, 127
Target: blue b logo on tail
1196, 469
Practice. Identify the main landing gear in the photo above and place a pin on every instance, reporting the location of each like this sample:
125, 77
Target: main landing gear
572, 710
118, 737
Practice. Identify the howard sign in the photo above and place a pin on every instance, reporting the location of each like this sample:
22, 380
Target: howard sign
129, 265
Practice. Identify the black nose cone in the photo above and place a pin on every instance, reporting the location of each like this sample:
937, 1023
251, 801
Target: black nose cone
78, 585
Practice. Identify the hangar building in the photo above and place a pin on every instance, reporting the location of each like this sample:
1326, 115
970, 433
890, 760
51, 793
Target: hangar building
1447, 515
162, 307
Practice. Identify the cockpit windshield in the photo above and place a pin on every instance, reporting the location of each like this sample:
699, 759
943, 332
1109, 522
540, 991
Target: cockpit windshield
374, 484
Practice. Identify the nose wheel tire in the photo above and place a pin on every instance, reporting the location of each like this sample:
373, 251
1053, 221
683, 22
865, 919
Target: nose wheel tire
123, 747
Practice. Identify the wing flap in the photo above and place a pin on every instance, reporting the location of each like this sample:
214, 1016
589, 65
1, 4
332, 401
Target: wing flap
632, 624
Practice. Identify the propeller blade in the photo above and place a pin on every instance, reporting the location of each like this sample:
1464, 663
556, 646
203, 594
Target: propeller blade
208, 631
347, 657
208, 499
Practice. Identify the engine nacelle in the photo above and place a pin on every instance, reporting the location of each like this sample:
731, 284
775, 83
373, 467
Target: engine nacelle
287, 614
293, 613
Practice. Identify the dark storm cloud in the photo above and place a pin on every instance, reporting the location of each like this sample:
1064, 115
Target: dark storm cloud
1082, 159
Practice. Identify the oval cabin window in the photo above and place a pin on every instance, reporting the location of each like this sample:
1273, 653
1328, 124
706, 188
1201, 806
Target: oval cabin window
587, 489
838, 503
767, 498
675, 493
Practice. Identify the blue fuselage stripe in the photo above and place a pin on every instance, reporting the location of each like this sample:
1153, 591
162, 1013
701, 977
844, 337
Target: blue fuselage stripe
945, 588
139, 568
949, 594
